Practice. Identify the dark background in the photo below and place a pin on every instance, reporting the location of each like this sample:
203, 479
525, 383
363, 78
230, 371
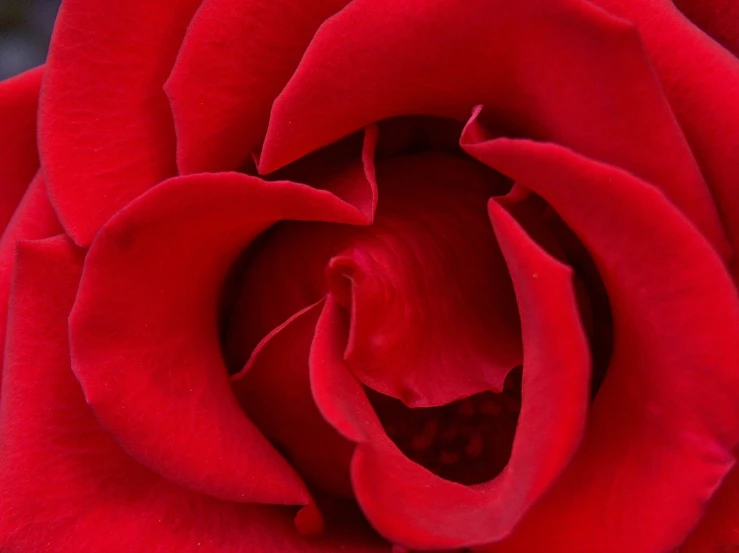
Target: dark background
25, 29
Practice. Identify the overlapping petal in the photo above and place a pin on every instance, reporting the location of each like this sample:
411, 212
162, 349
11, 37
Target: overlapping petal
413, 506
143, 330
106, 133
33, 219
18, 151
664, 423
236, 57
274, 390
561, 71
67, 484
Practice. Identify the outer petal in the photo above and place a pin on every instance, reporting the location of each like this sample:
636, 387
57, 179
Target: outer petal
33, 219
236, 57
18, 152
143, 330
106, 132
413, 506
701, 81
562, 71
67, 486
664, 422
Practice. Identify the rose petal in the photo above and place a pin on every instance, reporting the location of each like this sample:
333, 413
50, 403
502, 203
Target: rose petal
106, 132
413, 57
34, 219
274, 390
68, 486
664, 422
18, 152
433, 314
236, 57
718, 18
415, 507
701, 81
143, 330
718, 530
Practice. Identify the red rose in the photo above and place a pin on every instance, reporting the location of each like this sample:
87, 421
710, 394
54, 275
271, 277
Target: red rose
353, 276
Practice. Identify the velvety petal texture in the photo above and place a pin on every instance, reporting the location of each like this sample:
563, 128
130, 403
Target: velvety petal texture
663, 426
144, 337
67, 484
32, 220
106, 132
18, 152
236, 57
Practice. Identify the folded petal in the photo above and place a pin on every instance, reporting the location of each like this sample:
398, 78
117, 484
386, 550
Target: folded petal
236, 57
381, 58
32, 220
106, 133
18, 151
421, 510
274, 390
67, 484
144, 335
664, 423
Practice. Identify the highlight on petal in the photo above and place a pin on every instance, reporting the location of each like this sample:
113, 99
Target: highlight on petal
18, 151
418, 509
236, 57
105, 127
664, 423
67, 484
413, 57
143, 330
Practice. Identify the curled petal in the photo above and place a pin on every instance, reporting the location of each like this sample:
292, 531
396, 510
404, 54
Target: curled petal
664, 422
143, 330
84, 493
417, 508
274, 390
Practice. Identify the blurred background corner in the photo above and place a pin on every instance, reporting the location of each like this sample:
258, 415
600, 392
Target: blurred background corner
25, 29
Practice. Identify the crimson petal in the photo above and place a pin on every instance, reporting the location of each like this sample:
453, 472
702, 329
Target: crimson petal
143, 330
18, 152
34, 219
663, 425
416, 57
67, 484
274, 390
236, 57
701, 81
105, 127
415, 507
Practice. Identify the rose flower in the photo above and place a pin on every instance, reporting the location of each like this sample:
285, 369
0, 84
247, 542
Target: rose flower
379, 275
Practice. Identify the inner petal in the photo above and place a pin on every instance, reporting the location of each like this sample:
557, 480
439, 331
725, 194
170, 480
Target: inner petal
428, 298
